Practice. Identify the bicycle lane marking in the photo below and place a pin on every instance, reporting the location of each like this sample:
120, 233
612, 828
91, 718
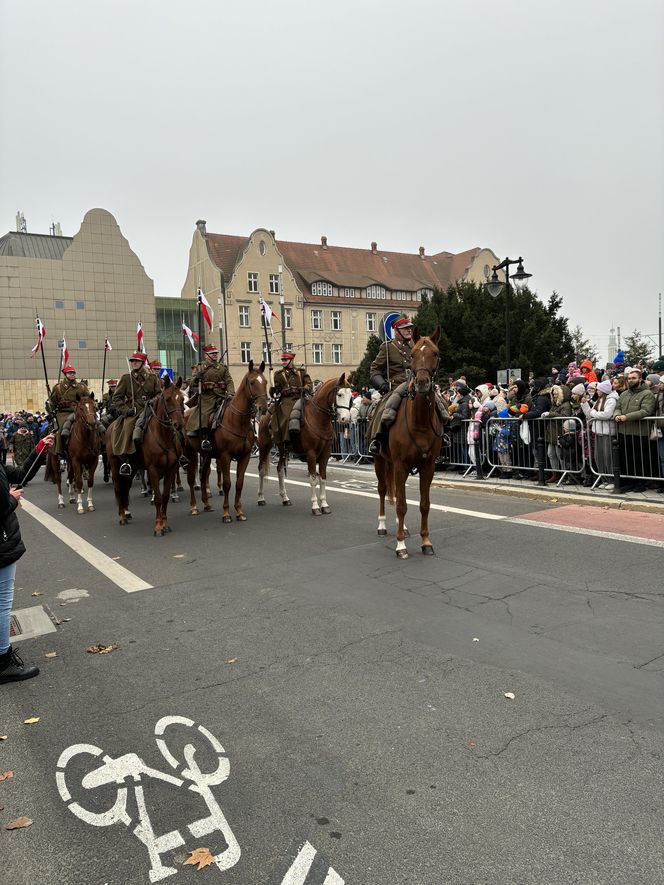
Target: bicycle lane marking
118, 574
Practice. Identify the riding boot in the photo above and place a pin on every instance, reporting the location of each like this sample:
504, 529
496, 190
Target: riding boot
12, 668
377, 442
65, 448
206, 439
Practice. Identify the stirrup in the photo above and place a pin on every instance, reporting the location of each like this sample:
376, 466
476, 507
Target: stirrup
182, 461
374, 446
125, 469
206, 445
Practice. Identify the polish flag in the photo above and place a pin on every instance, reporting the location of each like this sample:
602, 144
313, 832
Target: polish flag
41, 334
206, 309
191, 335
266, 310
107, 345
65, 355
139, 338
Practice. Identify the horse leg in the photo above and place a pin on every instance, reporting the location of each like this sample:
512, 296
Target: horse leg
191, 482
92, 466
70, 481
322, 473
168, 485
206, 467
55, 467
281, 472
226, 485
313, 482
426, 475
107, 469
239, 485
263, 471
219, 483
153, 473
77, 485
178, 481
400, 476
379, 467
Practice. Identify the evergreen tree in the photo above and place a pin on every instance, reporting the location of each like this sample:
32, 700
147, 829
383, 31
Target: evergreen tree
583, 349
637, 348
361, 374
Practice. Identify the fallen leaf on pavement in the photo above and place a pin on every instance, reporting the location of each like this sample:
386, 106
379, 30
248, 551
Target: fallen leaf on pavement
101, 649
3, 737
51, 654
472, 744
476, 639
200, 856
509, 695
18, 824
31, 721
6, 775
36, 594
231, 661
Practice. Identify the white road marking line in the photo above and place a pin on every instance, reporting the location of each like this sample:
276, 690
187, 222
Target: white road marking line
595, 533
299, 870
126, 580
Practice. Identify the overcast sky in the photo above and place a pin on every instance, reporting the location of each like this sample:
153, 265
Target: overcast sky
532, 128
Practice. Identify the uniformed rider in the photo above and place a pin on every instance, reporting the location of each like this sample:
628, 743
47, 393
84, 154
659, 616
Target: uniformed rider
216, 384
155, 368
389, 369
62, 401
289, 385
108, 413
136, 388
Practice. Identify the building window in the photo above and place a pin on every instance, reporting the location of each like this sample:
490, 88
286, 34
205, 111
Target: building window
274, 284
82, 345
349, 293
289, 347
400, 295
321, 288
371, 322
288, 317
245, 351
262, 248
317, 354
316, 319
252, 282
336, 321
376, 292
266, 357
421, 292
59, 305
80, 305
336, 354
244, 315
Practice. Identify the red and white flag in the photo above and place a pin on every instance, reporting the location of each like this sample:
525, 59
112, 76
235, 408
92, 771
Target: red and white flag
107, 345
41, 334
139, 339
65, 354
206, 309
191, 335
266, 310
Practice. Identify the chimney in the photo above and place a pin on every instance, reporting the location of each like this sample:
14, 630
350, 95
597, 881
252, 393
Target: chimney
323, 242
421, 251
374, 248
273, 235
200, 224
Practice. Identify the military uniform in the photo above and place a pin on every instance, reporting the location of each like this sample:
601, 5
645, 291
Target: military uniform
216, 382
289, 385
389, 369
62, 401
145, 387
108, 412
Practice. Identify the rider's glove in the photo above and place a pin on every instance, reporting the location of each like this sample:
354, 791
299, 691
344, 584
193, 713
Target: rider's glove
384, 387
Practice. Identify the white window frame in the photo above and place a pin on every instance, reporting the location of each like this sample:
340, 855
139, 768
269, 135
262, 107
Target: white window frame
421, 292
244, 316
317, 354
317, 320
349, 293
370, 322
273, 283
322, 288
252, 281
337, 354
377, 292
288, 317
335, 320
245, 352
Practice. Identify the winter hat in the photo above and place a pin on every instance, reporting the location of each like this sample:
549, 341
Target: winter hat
578, 390
572, 365
653, 378
521, 386
494, 392
490, 405
619, 358
605, 387
538, 384
503, 413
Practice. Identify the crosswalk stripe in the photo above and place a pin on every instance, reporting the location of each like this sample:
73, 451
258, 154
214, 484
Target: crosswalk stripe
301, 866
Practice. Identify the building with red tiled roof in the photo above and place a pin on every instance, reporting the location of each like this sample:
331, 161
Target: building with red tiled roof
335, 297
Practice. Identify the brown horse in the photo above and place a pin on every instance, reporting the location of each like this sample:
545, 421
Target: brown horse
413, 441
83, 452
332, 399
233, 441
159, 454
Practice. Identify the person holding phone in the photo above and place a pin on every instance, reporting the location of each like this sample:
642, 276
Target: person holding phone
12, 480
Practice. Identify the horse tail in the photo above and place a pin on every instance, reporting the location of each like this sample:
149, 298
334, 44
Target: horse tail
48, 473
390, 488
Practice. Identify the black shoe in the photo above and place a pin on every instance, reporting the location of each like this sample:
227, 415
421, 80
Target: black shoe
125, 469
12, 668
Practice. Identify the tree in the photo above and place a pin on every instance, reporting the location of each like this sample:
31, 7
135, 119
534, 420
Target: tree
637, 348
361, 374
583, 349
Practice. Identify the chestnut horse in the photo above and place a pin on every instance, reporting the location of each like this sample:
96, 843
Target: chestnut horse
83, 452
333, 399
413, 441
233, 441
159, 453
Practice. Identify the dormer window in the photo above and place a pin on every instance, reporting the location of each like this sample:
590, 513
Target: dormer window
321, 288
421, 292
377, 292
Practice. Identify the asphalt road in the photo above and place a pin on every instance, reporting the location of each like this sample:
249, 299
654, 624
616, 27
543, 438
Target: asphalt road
363, 724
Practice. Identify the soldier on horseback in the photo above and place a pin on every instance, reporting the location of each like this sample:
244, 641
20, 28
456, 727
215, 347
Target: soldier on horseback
216, 386
136, 388
107, 409
289, 386
62, 402
389, 369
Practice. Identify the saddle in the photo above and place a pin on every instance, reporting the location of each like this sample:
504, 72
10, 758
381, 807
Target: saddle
296, 419
218, 414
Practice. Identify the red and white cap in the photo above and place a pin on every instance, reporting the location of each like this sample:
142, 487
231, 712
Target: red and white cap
287, 355
155, 364
138, 357
68, 369
402, 323
112, 382
211, 348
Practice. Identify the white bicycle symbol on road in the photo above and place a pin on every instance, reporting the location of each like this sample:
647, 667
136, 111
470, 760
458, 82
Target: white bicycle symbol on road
128, 771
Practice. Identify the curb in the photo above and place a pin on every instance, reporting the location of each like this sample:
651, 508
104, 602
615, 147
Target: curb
608, 503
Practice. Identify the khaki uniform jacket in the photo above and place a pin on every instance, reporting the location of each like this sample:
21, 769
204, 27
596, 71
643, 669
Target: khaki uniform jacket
216, 381
145, 386
395, 357
63, 397
291, 382
635, 404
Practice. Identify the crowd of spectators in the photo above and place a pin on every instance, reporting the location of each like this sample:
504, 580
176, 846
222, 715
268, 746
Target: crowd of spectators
19, 434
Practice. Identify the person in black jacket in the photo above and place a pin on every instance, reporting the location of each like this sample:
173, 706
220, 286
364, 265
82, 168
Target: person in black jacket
12, 548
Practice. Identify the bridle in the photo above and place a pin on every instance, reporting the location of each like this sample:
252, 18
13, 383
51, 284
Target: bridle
430, 394
412, 379
250, 413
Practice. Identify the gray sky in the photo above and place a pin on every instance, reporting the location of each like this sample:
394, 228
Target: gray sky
532, 128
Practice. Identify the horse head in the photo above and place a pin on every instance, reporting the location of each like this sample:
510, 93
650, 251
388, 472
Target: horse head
257, 386
424, 362
86, 409
170, 403
343, 400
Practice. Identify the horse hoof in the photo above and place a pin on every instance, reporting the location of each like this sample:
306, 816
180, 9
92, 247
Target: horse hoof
220, 492
159, 534
168, 528
326, 510
61, 506
128, 515
287, 503
179, 489
91, 508
144, 493
80, 509
106, 479
402, 554
316, 511
194, 512
227, 519
427, 549
208, 508
72, 500
261, 503
241, 517
175, 499
382, 532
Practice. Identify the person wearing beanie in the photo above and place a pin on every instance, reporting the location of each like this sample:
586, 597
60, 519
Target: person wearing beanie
599, 416
652, 380
579, 390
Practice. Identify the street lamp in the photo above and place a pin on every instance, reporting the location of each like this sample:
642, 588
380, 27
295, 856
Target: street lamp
495, 287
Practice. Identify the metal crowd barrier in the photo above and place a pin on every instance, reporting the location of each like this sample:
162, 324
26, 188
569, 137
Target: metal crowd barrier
524, 448
629, 450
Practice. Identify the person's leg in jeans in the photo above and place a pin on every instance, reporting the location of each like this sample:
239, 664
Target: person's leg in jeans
7, 577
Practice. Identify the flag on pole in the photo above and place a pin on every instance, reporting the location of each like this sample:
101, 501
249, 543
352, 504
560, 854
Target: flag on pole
191, 335
107, 345
266, 310
65, 354
139, 338
41, 334
206, 309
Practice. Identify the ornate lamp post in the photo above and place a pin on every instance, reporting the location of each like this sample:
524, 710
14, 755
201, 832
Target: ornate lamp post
495, 287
